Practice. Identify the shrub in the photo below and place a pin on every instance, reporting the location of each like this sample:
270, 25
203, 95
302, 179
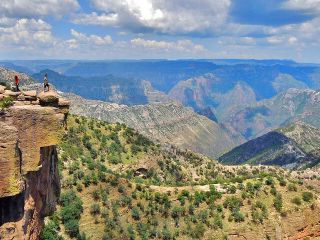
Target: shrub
238, 216
95, 209
277, 203
72, 227
96, 195
198, 231
217, 222
307, 196
259, 212
269, 181
135, 213
70, 212
6, 102
232, 203
50, 231
296, 200
292, 187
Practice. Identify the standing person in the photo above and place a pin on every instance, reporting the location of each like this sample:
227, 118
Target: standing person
46, 83
17, 82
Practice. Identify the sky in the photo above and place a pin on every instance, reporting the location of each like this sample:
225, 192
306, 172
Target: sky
160, 29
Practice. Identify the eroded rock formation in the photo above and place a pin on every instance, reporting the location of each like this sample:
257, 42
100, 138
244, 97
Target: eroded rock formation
29, 181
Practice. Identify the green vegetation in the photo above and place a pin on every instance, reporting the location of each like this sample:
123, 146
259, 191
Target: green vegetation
6, 102
117, 184
71, 209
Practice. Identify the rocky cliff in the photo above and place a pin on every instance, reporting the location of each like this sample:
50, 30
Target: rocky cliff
30, 129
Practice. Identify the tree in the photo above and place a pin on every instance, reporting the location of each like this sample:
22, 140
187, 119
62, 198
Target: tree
72, 227
270, 181
71, 209
50, 231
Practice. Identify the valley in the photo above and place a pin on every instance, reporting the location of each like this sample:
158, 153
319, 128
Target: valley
186, 164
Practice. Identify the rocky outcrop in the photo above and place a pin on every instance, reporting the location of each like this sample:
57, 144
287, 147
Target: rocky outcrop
29, 181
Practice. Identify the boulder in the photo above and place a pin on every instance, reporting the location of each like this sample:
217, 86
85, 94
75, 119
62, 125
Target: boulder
21, 98
48, 98
63, 102
30, 95
12, 94
2, 89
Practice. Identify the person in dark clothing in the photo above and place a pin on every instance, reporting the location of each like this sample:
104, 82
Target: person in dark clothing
17, 82
46, 83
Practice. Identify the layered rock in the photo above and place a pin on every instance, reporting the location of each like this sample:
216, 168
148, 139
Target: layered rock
29, 181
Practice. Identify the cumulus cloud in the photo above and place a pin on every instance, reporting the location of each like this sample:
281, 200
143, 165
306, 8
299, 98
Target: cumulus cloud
96, 19
180, 45
166, 17
37, 8
26, 33
80, 39
310, 6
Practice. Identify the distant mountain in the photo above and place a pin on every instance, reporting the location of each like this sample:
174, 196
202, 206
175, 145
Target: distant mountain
205, 91
295, 146
166, 122
208, 112
164, 75
109, 88
17, 68
226, 86
286, 107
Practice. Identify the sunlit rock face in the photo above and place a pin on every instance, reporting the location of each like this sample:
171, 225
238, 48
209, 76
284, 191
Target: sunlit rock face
29, 180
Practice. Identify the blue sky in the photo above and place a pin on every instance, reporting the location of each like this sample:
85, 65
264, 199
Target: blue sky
173, 29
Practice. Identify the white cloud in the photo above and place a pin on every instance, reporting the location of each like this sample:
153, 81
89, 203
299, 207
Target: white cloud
168, 17
83, 39
95, 19
37, 8
309, 5
26, 34
180, 45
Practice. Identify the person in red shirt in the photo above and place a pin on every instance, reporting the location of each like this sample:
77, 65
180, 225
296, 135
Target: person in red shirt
17, 82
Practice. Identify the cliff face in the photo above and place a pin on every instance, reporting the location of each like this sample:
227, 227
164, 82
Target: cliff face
29, 181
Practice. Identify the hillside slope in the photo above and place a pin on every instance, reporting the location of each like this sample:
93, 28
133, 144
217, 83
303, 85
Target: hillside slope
166, 122
294, 146
119, 185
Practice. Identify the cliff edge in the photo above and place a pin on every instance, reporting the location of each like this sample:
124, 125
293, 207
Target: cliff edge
30, 129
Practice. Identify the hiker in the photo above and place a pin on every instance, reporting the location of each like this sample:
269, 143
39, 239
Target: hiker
46, 83
17, 81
